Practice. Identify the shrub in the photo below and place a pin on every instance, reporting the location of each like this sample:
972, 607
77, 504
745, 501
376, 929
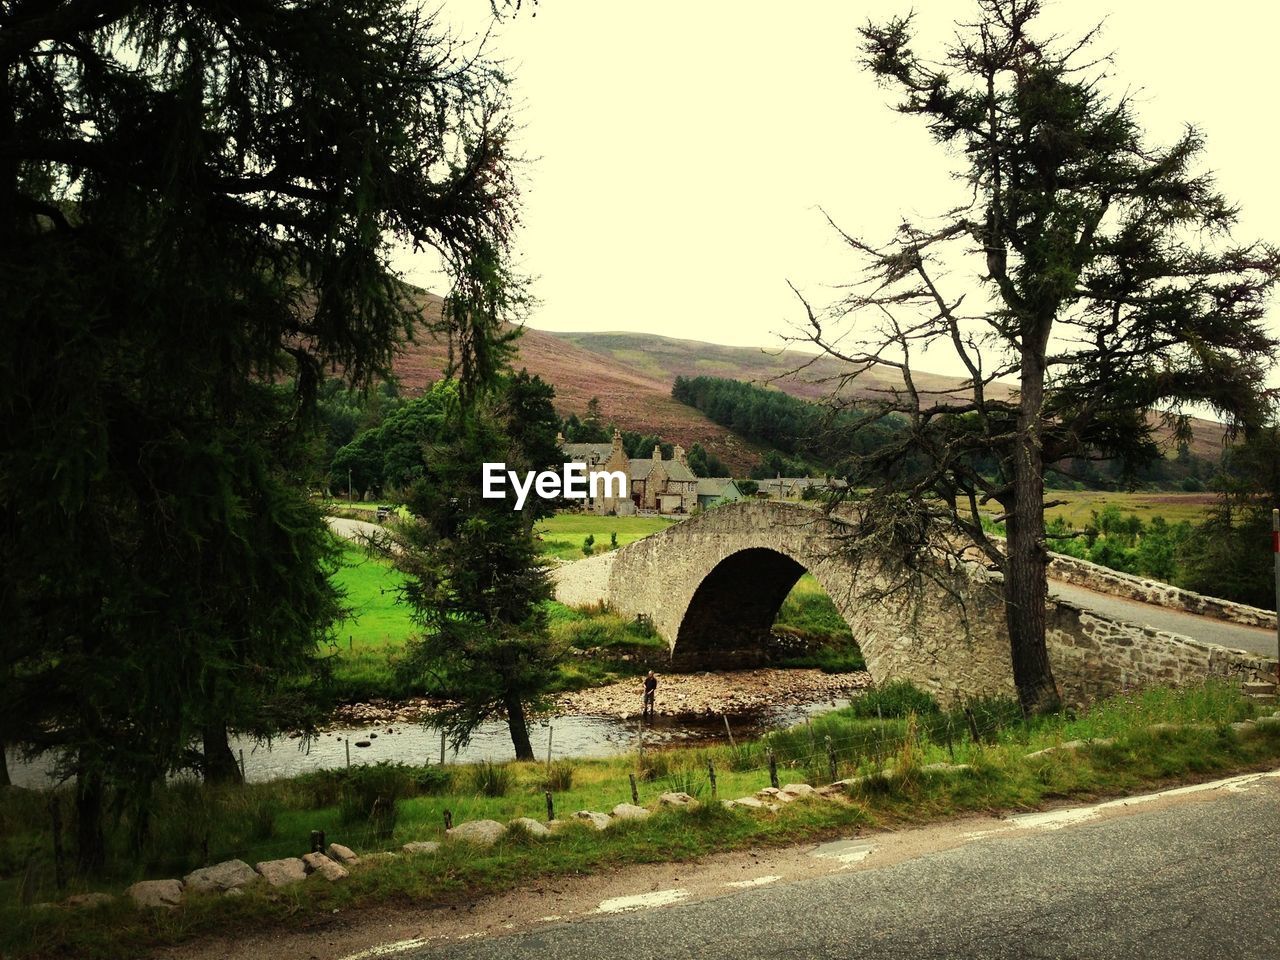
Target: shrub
433, 780
491, 779
371, 795
898, 699
589, 544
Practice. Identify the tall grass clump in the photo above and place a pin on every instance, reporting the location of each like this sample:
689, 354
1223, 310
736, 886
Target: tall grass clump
491, 779
559, 776
371, 795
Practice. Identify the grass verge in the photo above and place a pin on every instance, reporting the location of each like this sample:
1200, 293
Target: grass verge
1128, 743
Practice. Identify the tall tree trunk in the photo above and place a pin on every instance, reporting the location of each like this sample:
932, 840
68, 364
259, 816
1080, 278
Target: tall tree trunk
4, 767
91, 852
220, 764
518, 727
1026, 582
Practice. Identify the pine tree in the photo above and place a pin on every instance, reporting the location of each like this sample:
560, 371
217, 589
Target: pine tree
197, 201
1110, 291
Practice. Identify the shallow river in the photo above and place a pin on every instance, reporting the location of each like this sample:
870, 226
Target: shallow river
567, 736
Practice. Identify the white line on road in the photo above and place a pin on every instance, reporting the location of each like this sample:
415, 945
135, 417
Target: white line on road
387, 949
641, 901
847, 852
742, 884
1057, 819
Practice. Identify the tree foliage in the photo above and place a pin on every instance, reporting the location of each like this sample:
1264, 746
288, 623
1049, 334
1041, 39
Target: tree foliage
1102, 280
196, 202
475, 581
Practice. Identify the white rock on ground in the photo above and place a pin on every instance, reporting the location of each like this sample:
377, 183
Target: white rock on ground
752, 803
421, 846
1268, 723
597, 820
799, 789
531, 826
772, 794
220, 877
675, 799
343, 855
485, 833
629, 811
319, 863
282, 873
155, 893
88, 900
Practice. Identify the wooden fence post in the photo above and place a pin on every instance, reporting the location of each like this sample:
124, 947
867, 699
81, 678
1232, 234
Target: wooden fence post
551, 808
773, 770
635, 792
711, 775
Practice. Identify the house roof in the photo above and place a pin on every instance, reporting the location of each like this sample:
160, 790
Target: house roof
715, 486
640, 469
678, 471
586, 452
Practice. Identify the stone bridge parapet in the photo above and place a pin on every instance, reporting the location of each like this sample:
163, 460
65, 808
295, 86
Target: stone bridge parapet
713, 584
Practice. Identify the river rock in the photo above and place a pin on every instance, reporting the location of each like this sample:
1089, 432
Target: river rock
87, 901
597, 820
219, 878
282, 873
484, 833
629, 811
675, 799
164, 894
530, 826
421, 846
343, 855
319, 863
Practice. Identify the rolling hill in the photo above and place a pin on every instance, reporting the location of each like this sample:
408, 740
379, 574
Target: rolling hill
632, 374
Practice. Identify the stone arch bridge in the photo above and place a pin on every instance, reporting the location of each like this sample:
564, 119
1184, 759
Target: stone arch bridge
713, 584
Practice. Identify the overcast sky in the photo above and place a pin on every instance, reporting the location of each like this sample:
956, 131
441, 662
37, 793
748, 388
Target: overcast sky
679, 151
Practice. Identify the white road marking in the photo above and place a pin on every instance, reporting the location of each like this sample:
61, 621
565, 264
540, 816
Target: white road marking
1057, 819
641, 901
387, 949
741, 884
551, 919
847, 852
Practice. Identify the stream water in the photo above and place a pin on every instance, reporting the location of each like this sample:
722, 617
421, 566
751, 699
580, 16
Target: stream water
567, 736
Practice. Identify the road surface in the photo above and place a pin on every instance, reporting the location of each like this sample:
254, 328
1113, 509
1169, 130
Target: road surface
1192, 874
1254, 639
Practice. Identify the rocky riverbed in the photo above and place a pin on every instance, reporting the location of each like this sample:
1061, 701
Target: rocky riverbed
679, 695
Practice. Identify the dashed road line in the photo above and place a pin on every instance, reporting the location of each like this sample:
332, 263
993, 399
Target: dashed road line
757, 881
642, 901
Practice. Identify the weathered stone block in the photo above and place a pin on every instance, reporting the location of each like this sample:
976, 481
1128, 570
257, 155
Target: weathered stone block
483, 833
220, 877
283, 872
158, 894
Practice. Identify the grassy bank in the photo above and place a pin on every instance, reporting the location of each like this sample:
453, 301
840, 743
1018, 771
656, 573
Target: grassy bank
889, 738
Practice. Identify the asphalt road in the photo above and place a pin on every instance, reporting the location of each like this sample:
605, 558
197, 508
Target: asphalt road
1234, 635
1179, 879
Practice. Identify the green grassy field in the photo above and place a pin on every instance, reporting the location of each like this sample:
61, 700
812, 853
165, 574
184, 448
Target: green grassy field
1173, 507
562, 535
890, 752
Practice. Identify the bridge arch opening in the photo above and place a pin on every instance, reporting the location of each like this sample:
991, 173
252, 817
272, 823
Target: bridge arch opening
730, 619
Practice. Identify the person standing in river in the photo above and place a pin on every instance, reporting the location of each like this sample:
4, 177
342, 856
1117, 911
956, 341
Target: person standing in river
650, 694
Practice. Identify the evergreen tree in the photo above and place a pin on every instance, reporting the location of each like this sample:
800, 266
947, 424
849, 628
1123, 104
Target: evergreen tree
1113, 291
475, 581
196, 202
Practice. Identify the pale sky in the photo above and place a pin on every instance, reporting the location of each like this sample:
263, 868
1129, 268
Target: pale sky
679, 151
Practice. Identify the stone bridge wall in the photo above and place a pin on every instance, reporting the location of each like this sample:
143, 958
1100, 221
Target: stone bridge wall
710, 582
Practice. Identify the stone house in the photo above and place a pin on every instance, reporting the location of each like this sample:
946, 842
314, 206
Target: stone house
656, 485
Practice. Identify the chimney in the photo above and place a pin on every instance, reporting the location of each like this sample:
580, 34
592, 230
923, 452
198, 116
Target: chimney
657, 452
678, 454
